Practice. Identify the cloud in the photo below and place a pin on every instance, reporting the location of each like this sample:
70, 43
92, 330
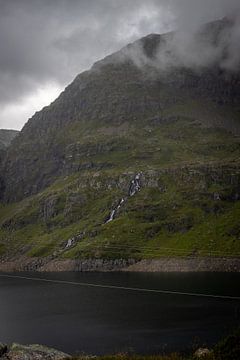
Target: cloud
12, 115
194, 44
49, 42
214, 44
54, 41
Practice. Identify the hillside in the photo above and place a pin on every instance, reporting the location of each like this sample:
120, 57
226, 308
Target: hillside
131, 161
6, 137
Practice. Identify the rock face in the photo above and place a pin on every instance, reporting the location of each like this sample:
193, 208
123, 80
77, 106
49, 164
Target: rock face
187, 264
53, 264
6, 137
32, 352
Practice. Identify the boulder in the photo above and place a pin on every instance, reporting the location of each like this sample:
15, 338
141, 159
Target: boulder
34, 352
202, 352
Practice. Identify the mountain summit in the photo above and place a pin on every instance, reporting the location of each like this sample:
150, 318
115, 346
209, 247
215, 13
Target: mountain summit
137, 155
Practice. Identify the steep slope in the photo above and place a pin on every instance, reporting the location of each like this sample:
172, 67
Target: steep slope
6, 137
132, 160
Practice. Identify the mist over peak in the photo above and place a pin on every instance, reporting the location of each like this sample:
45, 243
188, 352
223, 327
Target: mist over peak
213, 44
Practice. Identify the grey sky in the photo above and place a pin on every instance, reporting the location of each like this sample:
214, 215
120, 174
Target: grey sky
44, 44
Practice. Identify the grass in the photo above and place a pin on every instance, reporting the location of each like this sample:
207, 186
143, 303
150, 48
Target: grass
174, 214
226, 349
186, 168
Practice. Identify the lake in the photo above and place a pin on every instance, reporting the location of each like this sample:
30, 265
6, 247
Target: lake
95, 320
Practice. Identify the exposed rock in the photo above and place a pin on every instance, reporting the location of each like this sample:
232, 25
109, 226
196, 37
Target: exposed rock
33, 352
48, 209
187, 264
72, 241
88, 265
6, 137
202, 352
73, 200
216, 196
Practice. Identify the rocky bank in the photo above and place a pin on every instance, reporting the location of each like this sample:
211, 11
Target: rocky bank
30, 352
168, 264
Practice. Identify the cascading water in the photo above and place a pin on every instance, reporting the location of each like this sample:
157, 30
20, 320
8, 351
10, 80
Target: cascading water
69, 243
111, 217
135, 185
113, 212
133, 189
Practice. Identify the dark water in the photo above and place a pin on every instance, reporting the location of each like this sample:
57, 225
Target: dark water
98, 321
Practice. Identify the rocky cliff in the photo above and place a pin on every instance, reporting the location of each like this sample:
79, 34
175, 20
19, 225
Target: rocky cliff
6, 137
31, 352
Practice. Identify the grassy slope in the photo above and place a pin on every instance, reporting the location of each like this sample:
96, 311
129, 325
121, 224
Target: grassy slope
176, 211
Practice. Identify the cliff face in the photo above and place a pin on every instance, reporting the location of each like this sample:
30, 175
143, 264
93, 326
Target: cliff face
132, 159
6, 137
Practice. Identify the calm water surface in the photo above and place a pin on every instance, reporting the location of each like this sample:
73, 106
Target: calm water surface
99, 321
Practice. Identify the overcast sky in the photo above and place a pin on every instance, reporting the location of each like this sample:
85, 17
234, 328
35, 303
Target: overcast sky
44, 44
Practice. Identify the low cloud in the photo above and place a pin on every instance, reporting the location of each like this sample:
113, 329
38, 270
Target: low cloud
215, 43
52, 41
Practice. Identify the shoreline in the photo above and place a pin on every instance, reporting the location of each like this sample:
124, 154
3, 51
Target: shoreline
225, 348
170, 264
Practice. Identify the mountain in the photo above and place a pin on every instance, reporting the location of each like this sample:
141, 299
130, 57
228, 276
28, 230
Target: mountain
6, 137
133, 160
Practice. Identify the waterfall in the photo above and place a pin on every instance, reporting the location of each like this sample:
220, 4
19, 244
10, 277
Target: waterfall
111, 217
69, 243
135, 185
113, 212
133, 189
